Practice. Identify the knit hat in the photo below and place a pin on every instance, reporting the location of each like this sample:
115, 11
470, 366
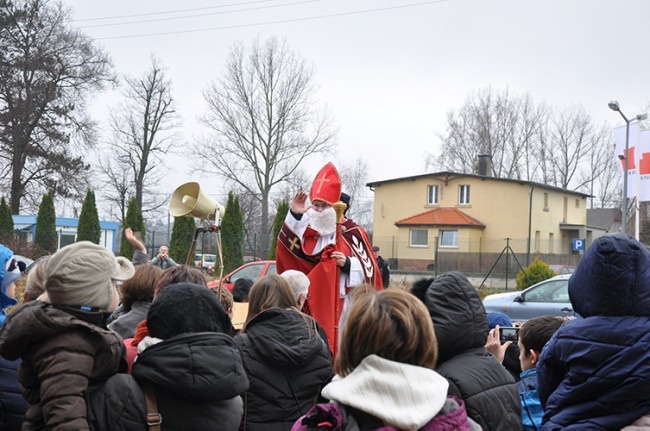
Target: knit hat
495, 318
326, 186
83, 274
183, 308
9, 271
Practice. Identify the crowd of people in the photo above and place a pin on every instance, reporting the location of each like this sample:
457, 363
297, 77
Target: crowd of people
106, 343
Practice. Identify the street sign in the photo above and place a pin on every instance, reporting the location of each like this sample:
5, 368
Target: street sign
578, 244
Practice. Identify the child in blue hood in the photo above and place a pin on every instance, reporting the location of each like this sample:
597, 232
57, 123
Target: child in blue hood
9, 273
594, 373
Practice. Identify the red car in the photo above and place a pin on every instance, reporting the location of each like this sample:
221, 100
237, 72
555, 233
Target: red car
251, 270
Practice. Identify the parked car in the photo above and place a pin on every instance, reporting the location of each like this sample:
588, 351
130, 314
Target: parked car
205, 262
562, 269
546, 297
251, 259
251, 270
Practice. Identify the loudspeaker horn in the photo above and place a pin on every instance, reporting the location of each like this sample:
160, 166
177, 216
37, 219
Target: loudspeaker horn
189, 200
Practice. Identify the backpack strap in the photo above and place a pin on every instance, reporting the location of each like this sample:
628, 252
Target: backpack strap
154, 419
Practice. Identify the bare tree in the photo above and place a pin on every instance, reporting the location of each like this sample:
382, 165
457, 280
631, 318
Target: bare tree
143, 128
46, 71
497, 124
261, 112
562, 148
566, 143
116, 186
354, 176
601, 176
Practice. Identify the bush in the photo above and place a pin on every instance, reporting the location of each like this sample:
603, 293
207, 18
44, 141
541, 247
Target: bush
46, 238
181, 240
537, 271
89, 228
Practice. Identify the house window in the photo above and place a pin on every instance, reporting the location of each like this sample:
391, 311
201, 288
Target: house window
66, 238
419, 238
537, 233
463, 194
432, 195
545, 201
448, 238
577, 203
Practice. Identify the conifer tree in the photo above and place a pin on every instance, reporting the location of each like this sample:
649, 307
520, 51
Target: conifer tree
45, 237
135, 221
6, 222
88, 228
232, 234
182, 236
278, 221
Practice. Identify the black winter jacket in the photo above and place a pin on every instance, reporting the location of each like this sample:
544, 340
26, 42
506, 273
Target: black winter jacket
197, 378
12, 403
488, 390
287, 363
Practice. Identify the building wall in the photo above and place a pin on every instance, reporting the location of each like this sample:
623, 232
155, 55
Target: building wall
503, 206
66, 229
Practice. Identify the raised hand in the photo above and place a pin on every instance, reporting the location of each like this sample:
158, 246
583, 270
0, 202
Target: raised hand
299, 203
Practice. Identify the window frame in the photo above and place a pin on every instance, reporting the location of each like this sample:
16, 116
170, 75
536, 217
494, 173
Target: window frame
455, 238
436, 194
464, 191
426, 232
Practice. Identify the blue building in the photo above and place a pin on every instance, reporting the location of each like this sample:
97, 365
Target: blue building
66, 230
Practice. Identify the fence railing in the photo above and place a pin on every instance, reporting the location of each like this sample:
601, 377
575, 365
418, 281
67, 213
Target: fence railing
475, 257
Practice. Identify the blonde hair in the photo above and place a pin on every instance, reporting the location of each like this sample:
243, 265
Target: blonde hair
390, 323
35, 282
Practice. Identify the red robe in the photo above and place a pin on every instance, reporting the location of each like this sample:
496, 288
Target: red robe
325, 303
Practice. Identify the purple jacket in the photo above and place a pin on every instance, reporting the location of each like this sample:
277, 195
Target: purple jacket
336, 417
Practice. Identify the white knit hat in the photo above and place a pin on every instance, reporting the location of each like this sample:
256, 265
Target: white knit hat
82, 274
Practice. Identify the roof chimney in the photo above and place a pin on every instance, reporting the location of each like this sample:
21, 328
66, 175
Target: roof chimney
485, 165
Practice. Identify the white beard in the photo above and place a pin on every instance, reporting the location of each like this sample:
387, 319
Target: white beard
323, 222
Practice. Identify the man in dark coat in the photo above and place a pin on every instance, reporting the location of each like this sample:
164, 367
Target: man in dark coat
476, 377
383, 267
595, 372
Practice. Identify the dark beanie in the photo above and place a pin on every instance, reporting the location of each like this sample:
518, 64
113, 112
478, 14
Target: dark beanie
183, 308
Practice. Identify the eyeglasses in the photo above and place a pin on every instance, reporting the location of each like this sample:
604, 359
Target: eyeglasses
319, 206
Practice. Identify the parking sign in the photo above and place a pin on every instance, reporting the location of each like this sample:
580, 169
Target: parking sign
578, 244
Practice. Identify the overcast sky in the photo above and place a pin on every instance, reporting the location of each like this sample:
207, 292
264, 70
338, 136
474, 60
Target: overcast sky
390, 70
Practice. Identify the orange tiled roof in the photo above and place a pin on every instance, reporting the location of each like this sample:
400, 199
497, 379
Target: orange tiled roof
441, 217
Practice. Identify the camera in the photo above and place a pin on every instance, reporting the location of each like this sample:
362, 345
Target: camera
509, 334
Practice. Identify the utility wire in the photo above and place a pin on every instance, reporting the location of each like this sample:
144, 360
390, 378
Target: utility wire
284, 21
171, 11
200, 15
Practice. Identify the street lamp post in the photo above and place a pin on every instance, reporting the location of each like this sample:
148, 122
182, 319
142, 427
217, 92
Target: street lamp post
614, 106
